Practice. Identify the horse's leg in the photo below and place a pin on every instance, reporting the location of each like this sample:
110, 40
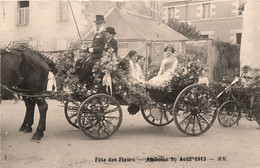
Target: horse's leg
29, 115
43, 107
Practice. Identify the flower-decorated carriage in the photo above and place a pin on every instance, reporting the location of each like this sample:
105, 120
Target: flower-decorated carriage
241, 96
96, 109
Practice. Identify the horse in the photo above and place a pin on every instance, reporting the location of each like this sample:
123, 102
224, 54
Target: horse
27, 69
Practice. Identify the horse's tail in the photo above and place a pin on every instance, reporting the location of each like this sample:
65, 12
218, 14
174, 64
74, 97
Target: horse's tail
52, 66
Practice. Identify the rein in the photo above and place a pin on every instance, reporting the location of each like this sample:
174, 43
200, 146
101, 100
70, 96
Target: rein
27, 92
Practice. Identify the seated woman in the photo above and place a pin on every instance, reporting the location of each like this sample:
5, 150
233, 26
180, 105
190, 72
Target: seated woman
134, 73
139, 64
167, 70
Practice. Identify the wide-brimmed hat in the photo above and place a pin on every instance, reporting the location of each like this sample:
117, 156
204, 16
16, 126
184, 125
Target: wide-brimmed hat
110, 30
100, 19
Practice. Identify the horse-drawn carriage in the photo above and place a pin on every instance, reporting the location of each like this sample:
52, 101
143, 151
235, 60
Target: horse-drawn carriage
97, 110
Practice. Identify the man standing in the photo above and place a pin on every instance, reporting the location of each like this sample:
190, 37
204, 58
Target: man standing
111, 42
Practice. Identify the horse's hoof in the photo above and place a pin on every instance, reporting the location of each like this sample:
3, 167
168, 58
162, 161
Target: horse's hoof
28, 130
22, 128
37, 136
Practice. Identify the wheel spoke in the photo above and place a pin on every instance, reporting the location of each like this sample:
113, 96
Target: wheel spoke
113, 117
165, 116
203, 119
99, 130
188, 123
73, 115
112, 110
199, 123
193, 124
185, 118
106, 129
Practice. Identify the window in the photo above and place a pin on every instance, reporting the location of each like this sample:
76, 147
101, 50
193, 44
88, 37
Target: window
206, 10
238, 38
171, 13
64, 12
23, 12
205, 36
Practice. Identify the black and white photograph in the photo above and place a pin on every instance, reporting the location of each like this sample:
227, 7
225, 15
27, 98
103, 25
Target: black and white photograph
130, 83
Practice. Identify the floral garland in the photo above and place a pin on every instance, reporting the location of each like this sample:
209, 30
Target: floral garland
14, 48
119, 71
188, 72
73, 89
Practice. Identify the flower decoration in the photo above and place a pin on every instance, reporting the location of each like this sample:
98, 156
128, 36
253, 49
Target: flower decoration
118, 68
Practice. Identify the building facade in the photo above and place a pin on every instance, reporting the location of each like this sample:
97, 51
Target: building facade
47, 25
215, 19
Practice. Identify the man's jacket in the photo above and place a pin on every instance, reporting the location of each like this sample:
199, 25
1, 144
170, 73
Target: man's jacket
98, 45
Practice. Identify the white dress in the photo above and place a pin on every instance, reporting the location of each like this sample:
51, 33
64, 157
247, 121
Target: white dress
167, 71
135, 72
51, 82
140, 75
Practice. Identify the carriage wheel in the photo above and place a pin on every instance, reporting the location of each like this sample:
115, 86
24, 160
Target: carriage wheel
228, 114
100, 116
71, 112
257, 117
158, 115
256, 110
195, 110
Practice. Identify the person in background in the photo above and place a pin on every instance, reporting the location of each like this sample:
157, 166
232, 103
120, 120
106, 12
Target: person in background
203, 79
51, 86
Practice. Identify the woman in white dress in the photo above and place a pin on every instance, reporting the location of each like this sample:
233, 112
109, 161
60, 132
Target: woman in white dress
167, 69
139, 64
134, 73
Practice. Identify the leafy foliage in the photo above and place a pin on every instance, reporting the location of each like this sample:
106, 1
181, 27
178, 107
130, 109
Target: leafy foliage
72, 88
185, 28
16, 49
229, 54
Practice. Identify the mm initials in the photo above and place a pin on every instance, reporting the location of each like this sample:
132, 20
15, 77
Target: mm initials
222, 158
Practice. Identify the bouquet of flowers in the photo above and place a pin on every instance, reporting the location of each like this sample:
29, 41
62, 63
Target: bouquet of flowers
109, 61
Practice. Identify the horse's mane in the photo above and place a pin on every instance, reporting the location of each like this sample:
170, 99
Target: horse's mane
15, 49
